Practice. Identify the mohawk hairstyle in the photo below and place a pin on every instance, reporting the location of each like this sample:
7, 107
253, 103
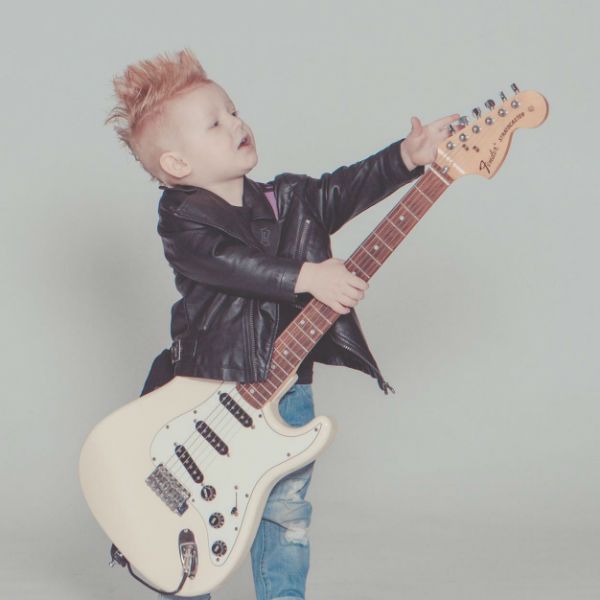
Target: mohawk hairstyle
141, 94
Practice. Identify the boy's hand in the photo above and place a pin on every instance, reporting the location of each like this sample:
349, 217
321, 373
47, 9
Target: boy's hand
420, 145
331, 283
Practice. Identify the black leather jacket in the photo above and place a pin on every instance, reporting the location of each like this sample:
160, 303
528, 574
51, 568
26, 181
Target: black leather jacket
224, 326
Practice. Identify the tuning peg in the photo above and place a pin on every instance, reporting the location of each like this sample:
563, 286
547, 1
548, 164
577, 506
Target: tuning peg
476, 112
464, 121
503, 96
489, 104
514, 88
451, 130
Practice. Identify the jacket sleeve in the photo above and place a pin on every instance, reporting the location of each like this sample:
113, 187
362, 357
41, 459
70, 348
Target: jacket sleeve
208, 256
341, 195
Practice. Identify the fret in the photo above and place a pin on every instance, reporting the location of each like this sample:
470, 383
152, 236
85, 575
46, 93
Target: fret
363, 249
267, 386
439, 176
320, 323
423, 194
281, 355
396, 228
405, 207
289, 349
372, 255
273, 372
253, 394
416, 206
356, 266
377, 247
408, 221
313, 324
301, 332
383, 241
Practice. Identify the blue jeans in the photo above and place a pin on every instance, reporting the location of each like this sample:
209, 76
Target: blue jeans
280, 551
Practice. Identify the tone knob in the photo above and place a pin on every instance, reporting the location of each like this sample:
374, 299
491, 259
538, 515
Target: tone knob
208, 492
216, 520
489, 104
219, 548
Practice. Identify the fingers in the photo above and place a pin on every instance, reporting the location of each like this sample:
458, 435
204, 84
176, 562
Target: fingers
339, 308
416, 124
358, 283
351, 298
444, 121
347, 291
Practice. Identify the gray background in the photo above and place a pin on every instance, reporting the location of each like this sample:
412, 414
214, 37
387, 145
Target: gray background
480, 478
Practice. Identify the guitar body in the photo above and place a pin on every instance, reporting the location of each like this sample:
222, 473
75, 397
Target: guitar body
225, 456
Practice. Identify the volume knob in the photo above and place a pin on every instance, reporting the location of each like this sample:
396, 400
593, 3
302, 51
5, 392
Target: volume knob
219, 548
216, 520
208, 492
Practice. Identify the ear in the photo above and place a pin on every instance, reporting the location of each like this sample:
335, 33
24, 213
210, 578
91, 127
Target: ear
174, 165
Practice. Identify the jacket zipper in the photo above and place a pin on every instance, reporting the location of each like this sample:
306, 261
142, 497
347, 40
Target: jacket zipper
361, 357
302, 238
253, 342
208, 315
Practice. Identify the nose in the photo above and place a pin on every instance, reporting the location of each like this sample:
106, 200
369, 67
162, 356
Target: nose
236, 122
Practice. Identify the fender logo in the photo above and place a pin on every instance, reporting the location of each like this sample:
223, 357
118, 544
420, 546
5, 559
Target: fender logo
486, 164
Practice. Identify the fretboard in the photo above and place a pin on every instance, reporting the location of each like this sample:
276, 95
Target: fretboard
308, 327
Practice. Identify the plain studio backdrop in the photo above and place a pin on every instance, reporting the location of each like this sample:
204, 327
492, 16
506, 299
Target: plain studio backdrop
480, 477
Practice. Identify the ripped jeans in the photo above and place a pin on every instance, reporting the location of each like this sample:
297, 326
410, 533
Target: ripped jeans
280, 551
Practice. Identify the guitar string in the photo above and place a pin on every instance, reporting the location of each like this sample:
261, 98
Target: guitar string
174, 463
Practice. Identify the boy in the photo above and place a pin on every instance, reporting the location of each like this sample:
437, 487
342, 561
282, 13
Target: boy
247, 256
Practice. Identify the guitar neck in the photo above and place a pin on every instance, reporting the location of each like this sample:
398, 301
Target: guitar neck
308, 327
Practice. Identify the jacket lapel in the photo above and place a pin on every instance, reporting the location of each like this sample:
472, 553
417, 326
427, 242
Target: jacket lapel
203, 206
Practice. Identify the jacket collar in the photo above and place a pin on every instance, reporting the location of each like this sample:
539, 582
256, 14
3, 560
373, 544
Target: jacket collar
203, 205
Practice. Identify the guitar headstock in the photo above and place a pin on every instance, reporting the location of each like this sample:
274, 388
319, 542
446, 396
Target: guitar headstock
480, 146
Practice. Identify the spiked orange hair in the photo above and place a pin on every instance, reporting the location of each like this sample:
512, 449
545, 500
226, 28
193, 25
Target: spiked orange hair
142, 92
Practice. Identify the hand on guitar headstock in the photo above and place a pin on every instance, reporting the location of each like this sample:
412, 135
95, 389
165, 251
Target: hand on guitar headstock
480, 146
421, 145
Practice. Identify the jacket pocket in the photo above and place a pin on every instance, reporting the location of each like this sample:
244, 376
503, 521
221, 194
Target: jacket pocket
206, 314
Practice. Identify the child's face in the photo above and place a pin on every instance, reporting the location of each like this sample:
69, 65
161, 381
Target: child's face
206, 134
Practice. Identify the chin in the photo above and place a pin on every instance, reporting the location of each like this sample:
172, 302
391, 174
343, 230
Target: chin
253, 164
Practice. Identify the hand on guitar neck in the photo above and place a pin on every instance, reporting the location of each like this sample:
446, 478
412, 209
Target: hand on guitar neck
331, 283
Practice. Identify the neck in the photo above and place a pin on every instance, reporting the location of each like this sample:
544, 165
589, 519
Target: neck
231, 190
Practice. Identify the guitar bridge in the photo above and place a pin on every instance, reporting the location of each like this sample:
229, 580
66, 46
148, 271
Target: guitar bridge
168, 489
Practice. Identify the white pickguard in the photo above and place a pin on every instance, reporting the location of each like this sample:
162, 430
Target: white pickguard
252, 452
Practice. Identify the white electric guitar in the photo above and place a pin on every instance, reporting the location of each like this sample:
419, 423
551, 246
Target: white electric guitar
178, 478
